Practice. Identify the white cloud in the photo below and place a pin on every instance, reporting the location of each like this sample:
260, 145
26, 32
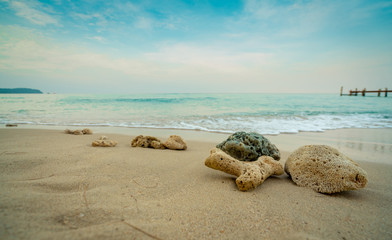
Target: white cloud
367, 12
128, 7
260, 9
97, 19
23, 49
99, 39
40, 54
301, 19
204, 67
293, 19
29, 10
172, 68
46, 58
176, 61
82, 16
220, 61
144, 22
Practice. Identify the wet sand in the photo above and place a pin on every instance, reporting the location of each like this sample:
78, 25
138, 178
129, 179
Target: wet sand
56, 186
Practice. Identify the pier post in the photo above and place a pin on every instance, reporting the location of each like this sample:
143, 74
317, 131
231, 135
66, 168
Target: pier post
364, 91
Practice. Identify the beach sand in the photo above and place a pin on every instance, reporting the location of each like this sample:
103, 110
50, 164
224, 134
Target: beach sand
56, 186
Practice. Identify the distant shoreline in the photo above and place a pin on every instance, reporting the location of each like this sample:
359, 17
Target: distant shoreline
20, 91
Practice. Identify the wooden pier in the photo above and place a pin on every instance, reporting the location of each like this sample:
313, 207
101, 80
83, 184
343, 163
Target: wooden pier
364, 91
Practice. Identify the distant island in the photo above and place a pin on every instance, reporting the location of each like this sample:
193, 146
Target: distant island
19, 90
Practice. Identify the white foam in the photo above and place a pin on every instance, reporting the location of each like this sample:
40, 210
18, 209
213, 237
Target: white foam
261, 124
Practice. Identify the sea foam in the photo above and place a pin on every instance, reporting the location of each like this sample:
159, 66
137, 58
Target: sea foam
226, 113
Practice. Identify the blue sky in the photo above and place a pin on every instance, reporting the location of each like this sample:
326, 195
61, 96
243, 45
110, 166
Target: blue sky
195, 46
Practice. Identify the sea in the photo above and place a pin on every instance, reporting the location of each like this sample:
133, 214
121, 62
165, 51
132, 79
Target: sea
263, 113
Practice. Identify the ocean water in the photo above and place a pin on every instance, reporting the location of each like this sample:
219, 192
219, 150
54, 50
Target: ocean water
227, 113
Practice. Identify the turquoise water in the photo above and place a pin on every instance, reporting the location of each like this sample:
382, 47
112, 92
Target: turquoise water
262, 113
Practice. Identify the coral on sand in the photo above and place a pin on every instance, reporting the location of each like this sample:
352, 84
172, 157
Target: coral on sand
103, 141
147, 142
78, 132
87, 131
175, 142
324, 169
249, 146
249, 174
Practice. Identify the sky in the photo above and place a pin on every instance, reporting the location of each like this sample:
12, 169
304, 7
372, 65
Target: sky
173, 46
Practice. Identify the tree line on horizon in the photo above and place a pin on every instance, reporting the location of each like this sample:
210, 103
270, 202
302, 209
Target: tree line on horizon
20, 90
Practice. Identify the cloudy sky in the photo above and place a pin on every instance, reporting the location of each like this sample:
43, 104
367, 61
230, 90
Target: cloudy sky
148, 46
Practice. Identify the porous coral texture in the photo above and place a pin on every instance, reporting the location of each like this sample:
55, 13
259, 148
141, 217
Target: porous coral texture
249, 146
147, 142
78, 132
249, 174
103, 141
324, 169
87, 131
175, 142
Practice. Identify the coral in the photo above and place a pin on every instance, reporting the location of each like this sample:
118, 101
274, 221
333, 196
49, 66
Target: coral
87, 131
324, 169
249, 174
103, 141
78, 132
175, 142
249, 146
147, 142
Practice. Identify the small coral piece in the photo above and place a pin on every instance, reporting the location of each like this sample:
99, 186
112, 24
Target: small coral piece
249, 174
147, 142
324, 169
249, 146
78, 132
103, 141
157, 145
87, 131
175, 143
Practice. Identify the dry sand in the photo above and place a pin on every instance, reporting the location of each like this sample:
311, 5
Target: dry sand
56, 186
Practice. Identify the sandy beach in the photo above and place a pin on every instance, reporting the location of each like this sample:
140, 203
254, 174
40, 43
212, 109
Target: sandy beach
57, 186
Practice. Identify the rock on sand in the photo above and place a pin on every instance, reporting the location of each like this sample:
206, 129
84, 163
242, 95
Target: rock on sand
324, 169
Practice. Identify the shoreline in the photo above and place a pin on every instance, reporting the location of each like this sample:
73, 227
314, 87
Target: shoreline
221, 113
56, 126
372, 144
57, 186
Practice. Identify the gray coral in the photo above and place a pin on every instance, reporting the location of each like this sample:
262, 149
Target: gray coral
249, 146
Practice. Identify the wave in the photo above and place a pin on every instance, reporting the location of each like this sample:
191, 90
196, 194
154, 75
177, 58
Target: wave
262, 125
265, 114
135, 100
